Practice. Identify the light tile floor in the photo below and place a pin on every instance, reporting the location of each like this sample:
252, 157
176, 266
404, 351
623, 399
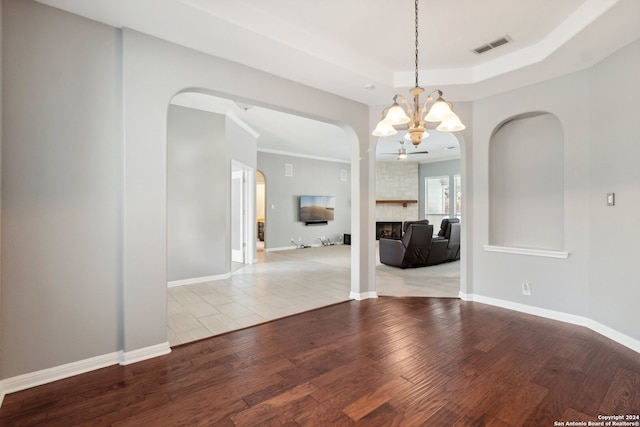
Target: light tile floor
285, 283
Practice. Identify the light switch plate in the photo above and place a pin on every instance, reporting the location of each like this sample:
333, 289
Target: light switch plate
611, 199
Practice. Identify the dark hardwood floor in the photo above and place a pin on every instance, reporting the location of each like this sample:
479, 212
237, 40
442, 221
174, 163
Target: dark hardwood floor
378, 362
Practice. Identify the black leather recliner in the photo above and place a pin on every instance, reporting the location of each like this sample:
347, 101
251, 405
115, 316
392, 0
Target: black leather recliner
446, 245
406, 224
412, 250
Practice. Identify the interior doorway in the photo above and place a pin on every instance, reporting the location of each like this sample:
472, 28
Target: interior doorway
261, 210
242, 232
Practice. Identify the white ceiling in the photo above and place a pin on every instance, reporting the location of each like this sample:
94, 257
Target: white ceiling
343, 47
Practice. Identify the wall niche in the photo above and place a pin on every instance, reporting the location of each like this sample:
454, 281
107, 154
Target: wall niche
526, 183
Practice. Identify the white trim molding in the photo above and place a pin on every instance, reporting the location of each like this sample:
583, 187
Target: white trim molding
196, 280
597, 327
363, 295
129, 357
526, 251
44, 376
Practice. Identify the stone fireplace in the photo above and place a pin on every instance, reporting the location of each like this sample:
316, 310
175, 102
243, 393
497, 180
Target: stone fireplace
396, 197
388, 229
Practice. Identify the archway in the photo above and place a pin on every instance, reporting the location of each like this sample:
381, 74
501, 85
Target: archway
438, 160
195, 311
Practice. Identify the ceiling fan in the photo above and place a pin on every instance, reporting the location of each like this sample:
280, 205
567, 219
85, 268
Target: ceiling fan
402, 152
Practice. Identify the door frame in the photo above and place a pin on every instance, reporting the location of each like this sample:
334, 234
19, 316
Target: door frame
243, 214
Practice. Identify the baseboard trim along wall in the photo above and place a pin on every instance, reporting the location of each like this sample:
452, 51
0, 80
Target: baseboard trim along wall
363, 295
129, 357
526, 251
45, 376
196, 280
598, 327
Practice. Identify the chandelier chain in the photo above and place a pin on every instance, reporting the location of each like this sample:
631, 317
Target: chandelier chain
416, 7
415, 117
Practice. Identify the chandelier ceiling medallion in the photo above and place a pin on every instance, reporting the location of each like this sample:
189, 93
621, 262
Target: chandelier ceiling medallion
415, 118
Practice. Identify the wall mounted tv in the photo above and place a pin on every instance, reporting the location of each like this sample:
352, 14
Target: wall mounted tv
317, 209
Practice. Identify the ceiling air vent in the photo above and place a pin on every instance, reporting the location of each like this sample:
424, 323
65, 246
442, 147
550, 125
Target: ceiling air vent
492, 45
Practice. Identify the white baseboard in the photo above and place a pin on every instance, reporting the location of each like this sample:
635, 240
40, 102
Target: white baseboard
363, 295
129, 357
595, 326
288, 248
44, 376
196, 280
284, 248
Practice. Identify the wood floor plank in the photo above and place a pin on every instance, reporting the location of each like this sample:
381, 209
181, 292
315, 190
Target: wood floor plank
623, 396
379, 362
381, 395
274, 407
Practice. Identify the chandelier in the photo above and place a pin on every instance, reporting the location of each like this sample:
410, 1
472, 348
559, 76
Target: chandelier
416, 117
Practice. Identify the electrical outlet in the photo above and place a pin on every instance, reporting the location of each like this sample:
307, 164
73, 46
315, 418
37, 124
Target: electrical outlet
526, 288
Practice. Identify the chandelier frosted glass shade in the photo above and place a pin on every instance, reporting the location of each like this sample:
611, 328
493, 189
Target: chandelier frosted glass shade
396, 115
384, 128
439, 111
451, 124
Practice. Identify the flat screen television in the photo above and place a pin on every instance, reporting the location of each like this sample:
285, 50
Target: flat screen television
317, 208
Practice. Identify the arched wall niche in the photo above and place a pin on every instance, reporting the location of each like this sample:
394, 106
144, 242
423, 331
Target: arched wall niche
526, 183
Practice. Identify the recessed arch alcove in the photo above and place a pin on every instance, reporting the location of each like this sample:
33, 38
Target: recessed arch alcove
526, 183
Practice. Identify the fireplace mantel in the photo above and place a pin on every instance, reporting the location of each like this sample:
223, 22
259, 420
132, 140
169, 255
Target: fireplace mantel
404, 203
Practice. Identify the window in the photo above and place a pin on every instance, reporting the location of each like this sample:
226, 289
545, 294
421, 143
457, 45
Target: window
457, 188
437, 199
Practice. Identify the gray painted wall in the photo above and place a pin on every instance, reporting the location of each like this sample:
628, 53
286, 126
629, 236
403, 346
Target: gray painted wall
613, 153
557, 284
197, 190
597, 111
310, 177
84, 252
148, 92
62, 186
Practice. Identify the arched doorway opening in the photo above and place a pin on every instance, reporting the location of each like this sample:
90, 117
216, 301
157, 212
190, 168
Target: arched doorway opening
425, 184
201, 143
